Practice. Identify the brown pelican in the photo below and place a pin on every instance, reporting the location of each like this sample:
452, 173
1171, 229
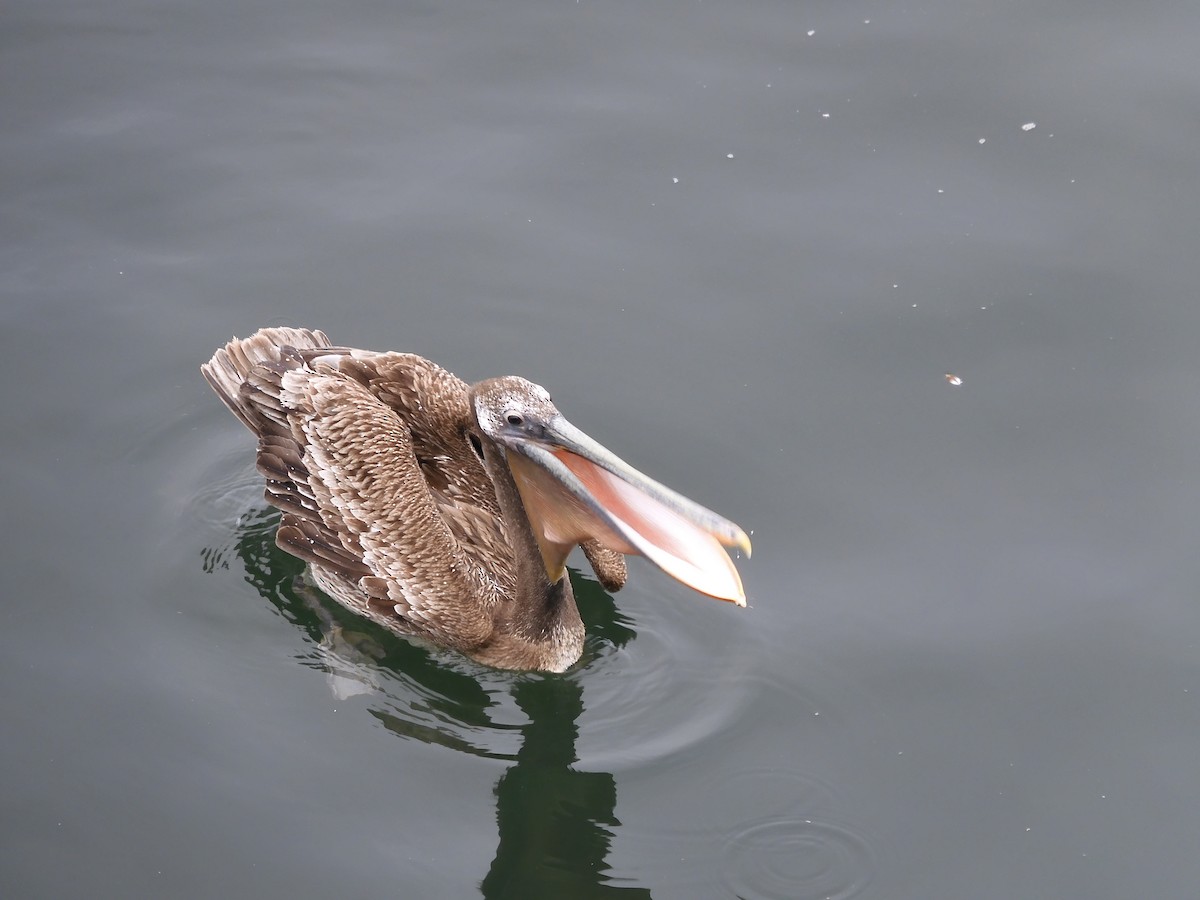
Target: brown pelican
445, 510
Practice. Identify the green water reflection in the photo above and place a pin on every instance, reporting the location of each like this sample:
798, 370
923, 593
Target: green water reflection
555, 822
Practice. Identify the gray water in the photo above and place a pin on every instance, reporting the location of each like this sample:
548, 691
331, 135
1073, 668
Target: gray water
743, 244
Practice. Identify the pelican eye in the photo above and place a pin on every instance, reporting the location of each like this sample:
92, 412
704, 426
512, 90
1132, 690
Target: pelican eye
515, 419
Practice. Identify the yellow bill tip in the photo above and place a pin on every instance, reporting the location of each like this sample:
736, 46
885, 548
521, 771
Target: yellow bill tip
744, 544
735, 537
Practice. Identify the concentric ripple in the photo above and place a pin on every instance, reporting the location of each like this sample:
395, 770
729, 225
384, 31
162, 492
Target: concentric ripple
796, 859
226, 497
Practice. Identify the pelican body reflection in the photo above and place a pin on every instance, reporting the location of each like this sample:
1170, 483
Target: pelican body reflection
555, 823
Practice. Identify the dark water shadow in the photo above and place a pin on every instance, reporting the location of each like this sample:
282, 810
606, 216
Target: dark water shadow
555, 823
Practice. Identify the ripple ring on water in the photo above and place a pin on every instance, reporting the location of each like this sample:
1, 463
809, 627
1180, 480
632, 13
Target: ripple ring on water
796, 859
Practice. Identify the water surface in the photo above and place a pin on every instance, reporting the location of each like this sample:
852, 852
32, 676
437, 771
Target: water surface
743, 245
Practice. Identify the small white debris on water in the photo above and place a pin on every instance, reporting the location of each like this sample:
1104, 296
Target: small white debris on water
811, 32
1029, 126
983, 140
729, 156
824, 115
940, 191
674, 181
953, 379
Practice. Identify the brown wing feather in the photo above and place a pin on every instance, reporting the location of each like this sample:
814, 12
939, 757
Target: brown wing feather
370, 490
368, 456
435, 406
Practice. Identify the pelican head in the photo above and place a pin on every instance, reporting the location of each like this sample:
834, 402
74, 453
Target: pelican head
573, 489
